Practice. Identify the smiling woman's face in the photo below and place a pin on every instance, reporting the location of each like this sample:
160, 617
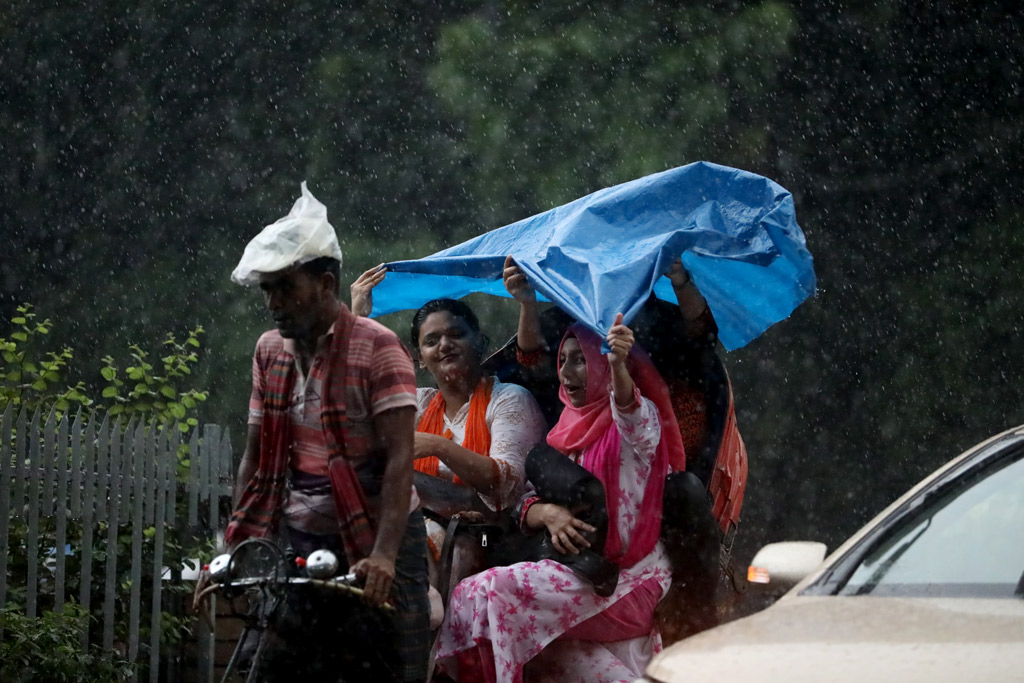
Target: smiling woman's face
572, 371
448, 346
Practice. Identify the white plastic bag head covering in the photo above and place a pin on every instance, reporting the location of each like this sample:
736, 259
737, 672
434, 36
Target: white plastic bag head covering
301, 236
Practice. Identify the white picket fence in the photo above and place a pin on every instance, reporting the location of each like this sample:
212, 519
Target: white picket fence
113, 477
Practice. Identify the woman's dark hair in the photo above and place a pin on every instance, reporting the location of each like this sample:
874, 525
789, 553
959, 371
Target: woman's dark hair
456, 308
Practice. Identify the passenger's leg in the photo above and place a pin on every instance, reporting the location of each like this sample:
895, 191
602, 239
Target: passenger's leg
692, 542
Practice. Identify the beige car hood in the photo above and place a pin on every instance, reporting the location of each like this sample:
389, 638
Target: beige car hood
861, 639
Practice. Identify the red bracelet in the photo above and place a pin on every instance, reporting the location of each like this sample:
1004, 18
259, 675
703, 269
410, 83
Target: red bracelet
527, 504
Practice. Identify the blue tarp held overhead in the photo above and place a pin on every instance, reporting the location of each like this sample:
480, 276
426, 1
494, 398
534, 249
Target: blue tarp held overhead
605, 253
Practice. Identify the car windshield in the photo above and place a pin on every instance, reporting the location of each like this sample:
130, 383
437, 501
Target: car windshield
965, 542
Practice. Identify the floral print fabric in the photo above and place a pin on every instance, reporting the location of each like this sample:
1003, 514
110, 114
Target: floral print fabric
524, 608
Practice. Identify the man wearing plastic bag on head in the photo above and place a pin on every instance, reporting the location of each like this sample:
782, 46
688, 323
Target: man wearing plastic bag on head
329, 454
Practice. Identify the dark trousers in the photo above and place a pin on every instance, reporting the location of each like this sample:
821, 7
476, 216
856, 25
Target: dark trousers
692, 542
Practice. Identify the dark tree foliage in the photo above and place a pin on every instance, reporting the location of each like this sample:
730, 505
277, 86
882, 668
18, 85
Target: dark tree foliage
144, 144
899, 129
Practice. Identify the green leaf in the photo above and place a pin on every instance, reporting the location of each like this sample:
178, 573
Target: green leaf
109, 392
19, 320
9, 357
168, 391
51, 376
188, 402
182, 427
39, 385
20, 336
108, 373
135, 373
117, 410
177, 410
192, 422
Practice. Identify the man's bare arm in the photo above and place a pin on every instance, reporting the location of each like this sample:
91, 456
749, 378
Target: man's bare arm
394, 429
250, 461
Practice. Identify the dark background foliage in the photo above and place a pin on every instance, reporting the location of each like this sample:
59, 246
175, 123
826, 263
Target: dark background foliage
144, 144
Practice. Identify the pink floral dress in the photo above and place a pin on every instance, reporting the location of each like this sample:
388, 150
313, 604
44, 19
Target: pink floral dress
525, 608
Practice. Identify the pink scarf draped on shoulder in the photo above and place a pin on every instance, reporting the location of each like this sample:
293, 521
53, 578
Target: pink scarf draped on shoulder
591, 429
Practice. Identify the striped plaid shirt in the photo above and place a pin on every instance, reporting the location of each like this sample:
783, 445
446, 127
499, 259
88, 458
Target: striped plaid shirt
376, 376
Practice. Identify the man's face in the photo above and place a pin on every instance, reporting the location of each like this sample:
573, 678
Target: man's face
295, 300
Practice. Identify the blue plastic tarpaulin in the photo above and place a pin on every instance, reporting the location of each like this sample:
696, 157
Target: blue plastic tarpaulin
606, 253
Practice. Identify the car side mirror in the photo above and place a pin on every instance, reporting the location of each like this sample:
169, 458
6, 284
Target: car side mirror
780, 566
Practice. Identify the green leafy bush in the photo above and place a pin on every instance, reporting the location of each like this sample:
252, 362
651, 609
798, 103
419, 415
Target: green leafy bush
153, 391
45, 649
30, 377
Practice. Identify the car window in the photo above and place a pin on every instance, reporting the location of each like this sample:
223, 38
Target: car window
965, 542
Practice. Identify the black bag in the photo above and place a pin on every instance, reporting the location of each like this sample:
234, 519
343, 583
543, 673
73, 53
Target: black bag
559, 480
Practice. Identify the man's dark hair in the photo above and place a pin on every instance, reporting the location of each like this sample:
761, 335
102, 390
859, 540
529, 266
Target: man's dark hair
456, 308
324, 264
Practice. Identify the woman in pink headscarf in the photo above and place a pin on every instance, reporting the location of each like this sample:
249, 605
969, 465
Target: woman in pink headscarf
541, 617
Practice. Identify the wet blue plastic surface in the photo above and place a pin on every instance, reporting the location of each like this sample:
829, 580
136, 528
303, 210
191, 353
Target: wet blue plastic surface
606, 252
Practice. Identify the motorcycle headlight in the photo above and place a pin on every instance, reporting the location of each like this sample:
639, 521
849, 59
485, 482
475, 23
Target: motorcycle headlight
220, 568
321, 564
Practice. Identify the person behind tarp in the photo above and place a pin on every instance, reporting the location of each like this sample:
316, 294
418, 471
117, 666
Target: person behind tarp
682, 342
542, 615
329, 455
473, 430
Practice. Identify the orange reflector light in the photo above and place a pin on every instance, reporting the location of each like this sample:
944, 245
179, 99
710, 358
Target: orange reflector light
757, 575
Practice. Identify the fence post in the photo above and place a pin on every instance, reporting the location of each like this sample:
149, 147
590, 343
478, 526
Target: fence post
139, 456
18, 488
164, 461
47, 464
60, 461
172, 502
5, 500
32, 538
227, 475
211, 468
113, 519
90, 502
77, 469
194, 463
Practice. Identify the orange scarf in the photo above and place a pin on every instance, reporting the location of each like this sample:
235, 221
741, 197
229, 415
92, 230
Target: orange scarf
477, 437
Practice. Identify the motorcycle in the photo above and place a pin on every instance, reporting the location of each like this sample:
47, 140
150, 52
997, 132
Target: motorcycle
274, 580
